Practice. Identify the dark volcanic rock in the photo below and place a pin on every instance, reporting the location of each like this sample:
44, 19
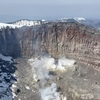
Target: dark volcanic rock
7, 78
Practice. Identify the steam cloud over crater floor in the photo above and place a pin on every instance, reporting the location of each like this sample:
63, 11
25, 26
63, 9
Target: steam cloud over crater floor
41, 68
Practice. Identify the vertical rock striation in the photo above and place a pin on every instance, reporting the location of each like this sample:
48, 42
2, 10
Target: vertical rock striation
8, 42
58, 39
61, 39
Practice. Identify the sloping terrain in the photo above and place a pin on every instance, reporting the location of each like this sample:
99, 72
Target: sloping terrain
7, 77
71, 40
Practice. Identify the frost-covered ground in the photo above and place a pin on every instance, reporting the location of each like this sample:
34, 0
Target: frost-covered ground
7, 77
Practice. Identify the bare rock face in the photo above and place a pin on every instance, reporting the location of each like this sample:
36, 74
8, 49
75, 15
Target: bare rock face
58, 39
8, 42
61, 39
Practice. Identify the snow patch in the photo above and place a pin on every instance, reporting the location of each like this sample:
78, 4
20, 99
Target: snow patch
27, 87
21, 23
4, 25
79, 19
6, 58
29, 22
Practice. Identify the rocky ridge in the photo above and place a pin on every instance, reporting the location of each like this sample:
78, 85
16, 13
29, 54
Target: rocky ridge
58, 39
61, 39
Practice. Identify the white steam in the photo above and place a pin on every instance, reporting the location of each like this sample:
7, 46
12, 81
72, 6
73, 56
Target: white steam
40, 69
50, 93
64, 63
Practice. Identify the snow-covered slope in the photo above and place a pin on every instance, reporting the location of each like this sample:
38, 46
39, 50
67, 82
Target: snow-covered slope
29, 22
4, 25
22, 23
7, 77
88, 22
78, 19
8, 58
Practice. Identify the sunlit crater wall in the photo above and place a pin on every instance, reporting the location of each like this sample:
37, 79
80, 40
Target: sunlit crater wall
60, 39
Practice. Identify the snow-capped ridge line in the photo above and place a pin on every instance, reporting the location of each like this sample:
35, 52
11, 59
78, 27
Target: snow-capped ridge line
4, 25
79, 19
21, 23
25, 22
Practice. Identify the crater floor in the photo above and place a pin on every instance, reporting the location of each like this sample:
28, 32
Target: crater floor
78, 83
25, 83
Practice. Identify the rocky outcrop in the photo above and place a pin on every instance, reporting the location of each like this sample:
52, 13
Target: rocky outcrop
62, 39
8, 42
58, 39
